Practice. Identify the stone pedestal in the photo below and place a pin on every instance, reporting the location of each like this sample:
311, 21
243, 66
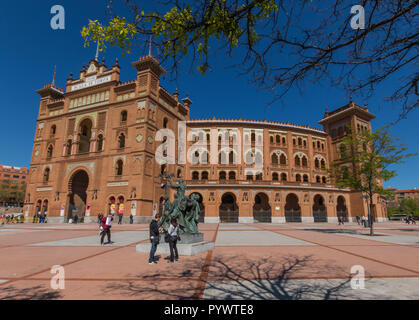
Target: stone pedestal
188, 245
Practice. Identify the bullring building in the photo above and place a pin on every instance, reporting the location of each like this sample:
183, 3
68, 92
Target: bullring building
95, 147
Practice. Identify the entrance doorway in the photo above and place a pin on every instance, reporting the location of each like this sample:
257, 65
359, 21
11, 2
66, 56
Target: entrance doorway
261, 209
229, 210
342, 210
78, 184
319, 209
292, 209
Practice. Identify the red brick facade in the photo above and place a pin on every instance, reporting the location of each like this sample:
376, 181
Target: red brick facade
95, 146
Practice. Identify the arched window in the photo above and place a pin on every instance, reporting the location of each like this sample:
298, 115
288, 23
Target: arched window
231, 175
46, 174
249, 157
204, 157
282, 159
318, 179
298, 177
222, 175
274, 158
100, 142
283, 177
322, 146
253, 137
323, 164
345, 173
323, 179
364, 146
278, 139
53, 130
124, 116
294, 142
222, 157
68, 146
231, 157
316, 163
249, 176
272, 139
258, 158
300, 141
259, 176
283, 140
195, 175
305, 178
119, 166
204, 175
49, 151
318, 144
297, 161
179, 173
314, 145
121, 141
165, 122
342, 150
275, 176
305, 143
304, 161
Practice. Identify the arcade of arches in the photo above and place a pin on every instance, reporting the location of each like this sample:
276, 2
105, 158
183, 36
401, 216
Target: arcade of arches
272, 206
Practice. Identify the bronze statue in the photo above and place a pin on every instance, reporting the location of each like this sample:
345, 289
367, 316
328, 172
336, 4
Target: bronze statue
185, 209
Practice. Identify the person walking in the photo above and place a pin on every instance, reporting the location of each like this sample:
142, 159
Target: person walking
131, 219
154, 237
173, 232
120, 212
105, 228
363, 221
358, 220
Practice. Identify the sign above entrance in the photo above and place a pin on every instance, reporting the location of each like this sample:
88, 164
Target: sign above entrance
91, 81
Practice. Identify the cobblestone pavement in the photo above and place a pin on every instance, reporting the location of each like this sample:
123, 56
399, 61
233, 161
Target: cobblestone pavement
249, 261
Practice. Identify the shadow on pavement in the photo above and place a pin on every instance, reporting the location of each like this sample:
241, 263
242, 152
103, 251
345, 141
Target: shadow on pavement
33, 293
237, 277
364, 232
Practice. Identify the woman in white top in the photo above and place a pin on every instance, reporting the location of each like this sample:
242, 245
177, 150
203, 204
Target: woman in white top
173, 237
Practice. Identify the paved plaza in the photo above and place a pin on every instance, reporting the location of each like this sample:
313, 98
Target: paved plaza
249, 261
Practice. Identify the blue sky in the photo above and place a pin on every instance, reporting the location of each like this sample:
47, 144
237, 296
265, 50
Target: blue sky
30, 49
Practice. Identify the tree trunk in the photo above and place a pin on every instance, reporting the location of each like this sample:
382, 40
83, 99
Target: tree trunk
370, 218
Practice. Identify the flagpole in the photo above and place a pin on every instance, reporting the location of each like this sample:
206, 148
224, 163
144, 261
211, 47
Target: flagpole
53, 78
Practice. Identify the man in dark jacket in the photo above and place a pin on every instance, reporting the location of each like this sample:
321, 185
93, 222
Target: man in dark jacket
154, 237
105, 228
